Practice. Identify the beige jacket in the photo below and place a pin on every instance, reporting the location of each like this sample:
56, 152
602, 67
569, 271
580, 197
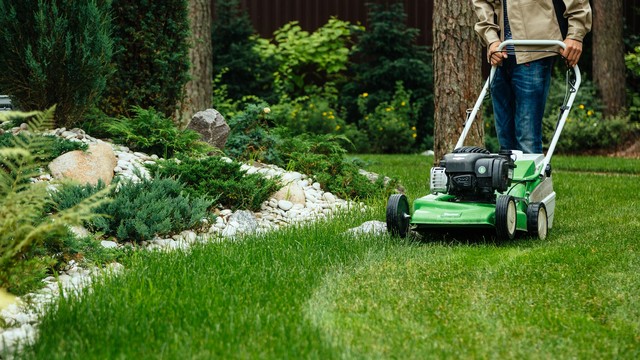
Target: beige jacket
531, 20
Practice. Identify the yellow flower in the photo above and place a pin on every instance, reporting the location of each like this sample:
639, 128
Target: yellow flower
324, 113
581, 106
413, 128
590, 112
414, 135
365, 94
388, 109
402, 103
337, 127
266, 110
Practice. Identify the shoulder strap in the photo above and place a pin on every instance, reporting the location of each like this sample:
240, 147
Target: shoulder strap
562, 21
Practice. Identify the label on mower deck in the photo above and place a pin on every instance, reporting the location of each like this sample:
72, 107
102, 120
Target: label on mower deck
451, 215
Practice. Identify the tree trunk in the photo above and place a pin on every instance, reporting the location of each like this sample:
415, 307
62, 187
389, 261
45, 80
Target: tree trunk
199, 89
608, 55
457, 66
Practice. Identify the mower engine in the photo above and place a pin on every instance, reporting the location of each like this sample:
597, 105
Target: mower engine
473, 176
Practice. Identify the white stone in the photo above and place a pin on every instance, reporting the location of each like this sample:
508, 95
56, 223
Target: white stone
317, 186
108, 244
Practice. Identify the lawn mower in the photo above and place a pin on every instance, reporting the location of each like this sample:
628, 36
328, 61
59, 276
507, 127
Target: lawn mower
472, 188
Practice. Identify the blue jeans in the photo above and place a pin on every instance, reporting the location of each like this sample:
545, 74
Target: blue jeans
519, 93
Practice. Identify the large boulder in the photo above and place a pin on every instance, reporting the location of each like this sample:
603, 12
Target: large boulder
212, 126
97, 163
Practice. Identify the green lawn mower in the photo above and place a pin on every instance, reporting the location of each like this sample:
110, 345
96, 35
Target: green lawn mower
473, 188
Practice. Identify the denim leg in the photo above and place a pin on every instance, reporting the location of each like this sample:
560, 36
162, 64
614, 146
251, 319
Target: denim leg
504, 105
530, 86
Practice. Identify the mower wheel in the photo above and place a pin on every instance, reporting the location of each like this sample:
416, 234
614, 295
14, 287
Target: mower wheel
537, 221
506, 217
398, 215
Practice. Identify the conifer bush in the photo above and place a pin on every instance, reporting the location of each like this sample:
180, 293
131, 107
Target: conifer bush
151, 56
142, 210
224, 181
235, 58
55, 53
386, 53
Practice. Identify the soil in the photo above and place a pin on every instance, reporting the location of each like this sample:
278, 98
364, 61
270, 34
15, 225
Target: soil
632, 150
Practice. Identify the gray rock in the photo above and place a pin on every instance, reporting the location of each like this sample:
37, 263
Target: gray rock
108, 244
212, 126
246, 221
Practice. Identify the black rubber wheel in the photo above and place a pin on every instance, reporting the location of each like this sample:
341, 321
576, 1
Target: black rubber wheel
506, 217
537, 220
398, 215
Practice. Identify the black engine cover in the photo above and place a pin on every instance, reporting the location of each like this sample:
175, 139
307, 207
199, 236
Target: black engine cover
477, 176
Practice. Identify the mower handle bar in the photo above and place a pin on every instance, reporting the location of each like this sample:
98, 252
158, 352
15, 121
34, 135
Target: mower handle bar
565, 110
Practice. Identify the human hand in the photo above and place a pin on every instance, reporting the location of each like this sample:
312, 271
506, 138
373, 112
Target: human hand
495, 57
573, 51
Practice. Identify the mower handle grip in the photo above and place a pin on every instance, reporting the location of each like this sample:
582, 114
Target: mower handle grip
531, 43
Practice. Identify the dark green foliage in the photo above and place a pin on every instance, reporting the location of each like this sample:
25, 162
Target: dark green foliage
54, 146
159, 207
55, 52
235, 57
150, 131
151, 59
28, 229
215, 178
250, 138
323, 157
68, 195
386, 52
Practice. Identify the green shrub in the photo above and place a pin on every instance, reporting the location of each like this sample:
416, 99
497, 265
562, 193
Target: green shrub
159, 207
150, 131
55, 52
235, 56
586, 129
53, 146
250, 137
309, 115
309, 62
323, 157
25, 225
385, 53
151, 59
390, 128
215, 178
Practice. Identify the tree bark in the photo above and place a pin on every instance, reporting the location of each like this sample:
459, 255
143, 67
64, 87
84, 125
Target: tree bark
199, 90
457, 56
608, 55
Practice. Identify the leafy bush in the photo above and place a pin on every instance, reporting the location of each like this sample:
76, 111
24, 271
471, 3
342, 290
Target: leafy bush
323, 157
585, 129
55, 52
309, 63
235, 58
309, 115
53, 147
159, 207
25, 226
386, 52
250, 138
391, 126
151, 59
149, 131
215, 178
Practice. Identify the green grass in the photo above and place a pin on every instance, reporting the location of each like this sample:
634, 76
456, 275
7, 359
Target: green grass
314, 292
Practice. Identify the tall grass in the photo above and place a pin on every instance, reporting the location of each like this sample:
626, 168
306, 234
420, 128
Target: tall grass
315, 292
